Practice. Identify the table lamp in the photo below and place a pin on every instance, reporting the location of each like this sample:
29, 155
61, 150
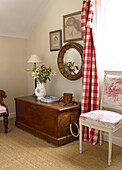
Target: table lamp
34, 59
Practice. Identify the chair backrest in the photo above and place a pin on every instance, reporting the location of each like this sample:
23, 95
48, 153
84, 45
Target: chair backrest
112, 91
2, 95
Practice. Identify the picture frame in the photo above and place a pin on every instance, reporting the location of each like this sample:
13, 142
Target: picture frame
72, 27
55, 40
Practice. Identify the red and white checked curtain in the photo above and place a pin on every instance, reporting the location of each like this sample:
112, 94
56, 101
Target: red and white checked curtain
90, 89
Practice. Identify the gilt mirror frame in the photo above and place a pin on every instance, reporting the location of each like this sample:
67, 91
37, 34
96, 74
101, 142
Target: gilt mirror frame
60, 59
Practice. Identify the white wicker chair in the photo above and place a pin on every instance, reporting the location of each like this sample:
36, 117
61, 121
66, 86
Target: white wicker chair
109, 117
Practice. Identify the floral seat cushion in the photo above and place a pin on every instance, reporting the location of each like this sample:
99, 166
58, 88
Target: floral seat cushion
2, 109
102, 118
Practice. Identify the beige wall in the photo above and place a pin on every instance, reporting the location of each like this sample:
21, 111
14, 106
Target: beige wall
38, 42
12, 66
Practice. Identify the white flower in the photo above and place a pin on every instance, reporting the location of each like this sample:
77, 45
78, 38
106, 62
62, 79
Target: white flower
35, 74
53, 73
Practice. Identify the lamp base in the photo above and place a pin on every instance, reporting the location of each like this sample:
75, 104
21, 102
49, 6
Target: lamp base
34, 95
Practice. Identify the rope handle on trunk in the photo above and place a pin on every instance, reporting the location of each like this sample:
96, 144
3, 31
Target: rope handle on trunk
72, 131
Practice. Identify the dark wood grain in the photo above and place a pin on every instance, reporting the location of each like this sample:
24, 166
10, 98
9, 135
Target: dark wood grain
48, 121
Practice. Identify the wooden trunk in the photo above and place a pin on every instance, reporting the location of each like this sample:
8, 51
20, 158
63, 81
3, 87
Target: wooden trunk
48, 121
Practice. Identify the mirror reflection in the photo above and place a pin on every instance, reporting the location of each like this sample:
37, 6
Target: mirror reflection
72, 61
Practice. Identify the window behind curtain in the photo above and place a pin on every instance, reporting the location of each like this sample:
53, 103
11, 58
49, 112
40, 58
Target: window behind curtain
109, 34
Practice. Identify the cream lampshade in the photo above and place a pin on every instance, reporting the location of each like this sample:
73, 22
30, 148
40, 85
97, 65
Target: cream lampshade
34, 59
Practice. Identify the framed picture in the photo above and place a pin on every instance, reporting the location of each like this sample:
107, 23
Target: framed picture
72, 27
55, 40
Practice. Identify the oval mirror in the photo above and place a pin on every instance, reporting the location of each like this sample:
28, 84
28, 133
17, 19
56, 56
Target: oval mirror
70, 61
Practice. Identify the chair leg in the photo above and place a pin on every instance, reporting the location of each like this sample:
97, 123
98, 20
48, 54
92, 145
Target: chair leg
110, 148
100, 137
5, 119
80, 138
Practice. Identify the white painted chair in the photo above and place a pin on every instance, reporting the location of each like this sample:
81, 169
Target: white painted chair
109, 117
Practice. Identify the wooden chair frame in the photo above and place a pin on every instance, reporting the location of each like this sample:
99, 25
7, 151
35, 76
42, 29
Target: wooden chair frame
5, 114
110, 131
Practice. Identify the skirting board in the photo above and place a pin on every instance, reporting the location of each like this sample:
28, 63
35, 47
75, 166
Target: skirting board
115, 140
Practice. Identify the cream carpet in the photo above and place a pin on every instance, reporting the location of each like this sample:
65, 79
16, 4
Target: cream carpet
20, 150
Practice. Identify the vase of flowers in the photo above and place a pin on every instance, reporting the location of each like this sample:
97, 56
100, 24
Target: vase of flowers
41, 74
40, 90
69, 67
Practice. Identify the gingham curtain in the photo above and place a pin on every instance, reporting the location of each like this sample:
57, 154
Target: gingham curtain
90, 91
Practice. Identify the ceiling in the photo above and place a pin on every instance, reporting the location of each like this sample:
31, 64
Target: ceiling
18, 17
